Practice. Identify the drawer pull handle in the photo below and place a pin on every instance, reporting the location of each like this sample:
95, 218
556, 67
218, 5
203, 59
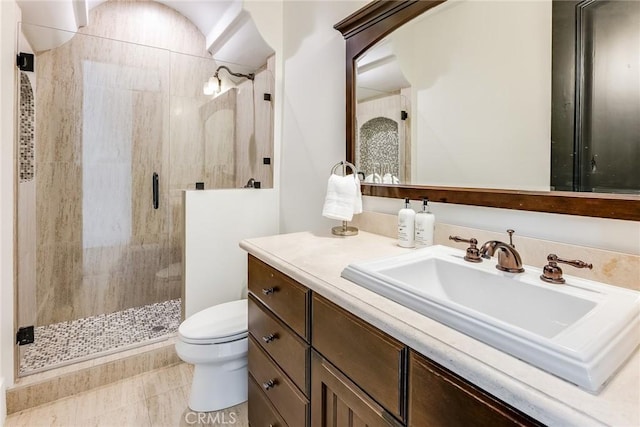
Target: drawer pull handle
270, 384
268, 291
268, 338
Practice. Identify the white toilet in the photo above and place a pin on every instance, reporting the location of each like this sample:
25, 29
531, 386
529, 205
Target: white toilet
215, 341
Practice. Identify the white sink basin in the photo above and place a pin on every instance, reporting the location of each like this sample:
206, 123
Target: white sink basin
581, 331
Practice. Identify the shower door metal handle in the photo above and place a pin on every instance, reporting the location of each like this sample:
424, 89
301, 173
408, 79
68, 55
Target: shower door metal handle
156, 191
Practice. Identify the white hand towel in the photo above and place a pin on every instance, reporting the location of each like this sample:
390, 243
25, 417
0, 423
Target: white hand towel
357, 202
340, 202
386, 178
373, 177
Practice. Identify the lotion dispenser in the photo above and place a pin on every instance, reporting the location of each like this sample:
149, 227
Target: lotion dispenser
425, 224
406, 225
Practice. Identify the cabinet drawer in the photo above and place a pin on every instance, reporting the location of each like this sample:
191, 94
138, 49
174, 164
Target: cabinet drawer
438, 397
370, 358
288, 299
261, 412
290, 403
287, 349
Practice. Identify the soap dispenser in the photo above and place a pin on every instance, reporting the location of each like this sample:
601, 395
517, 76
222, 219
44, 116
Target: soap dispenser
425, 224
406, 225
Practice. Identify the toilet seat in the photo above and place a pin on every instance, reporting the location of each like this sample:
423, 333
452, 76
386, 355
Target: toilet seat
219, 324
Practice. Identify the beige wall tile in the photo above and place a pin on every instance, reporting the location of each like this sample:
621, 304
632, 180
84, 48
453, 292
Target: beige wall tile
613, 268
128, 84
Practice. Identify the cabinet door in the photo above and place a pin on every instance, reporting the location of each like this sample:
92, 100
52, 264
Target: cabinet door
439, 398
338, 402
372, 359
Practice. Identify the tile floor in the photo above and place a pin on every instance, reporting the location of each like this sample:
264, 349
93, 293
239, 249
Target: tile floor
62, 343
153, 399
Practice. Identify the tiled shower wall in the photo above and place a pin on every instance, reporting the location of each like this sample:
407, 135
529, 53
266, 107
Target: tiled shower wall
26, 200
378, 147
110, 114
384, 143
26, 131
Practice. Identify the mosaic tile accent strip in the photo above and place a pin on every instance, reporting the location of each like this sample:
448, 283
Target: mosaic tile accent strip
27, 129
64, 342
379, 147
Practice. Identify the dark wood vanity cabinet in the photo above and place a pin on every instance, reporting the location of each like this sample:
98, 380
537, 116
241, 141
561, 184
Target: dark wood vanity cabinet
279, 349
312, 363
372, 359
337, 401
439, 398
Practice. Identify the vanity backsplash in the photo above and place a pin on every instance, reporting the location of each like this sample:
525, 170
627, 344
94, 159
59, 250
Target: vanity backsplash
614, 268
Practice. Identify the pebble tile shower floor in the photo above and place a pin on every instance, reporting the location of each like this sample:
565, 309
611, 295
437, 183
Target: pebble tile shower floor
65, 342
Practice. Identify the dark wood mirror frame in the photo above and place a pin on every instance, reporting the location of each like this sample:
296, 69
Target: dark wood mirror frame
371, 24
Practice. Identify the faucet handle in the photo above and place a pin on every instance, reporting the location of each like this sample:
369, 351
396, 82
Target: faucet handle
473, 254
510, 231
552, 273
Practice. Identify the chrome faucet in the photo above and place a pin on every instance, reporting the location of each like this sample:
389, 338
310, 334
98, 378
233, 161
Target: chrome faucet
508, 257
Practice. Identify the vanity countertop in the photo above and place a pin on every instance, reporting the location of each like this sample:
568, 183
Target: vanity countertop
317, 259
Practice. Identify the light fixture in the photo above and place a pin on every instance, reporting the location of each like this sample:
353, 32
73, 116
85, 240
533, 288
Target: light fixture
213, 86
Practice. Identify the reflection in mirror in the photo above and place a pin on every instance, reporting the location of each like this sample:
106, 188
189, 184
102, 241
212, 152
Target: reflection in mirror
477, 77
595, 128
383, 141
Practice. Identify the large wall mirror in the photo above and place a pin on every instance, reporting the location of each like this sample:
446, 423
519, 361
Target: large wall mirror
453, 101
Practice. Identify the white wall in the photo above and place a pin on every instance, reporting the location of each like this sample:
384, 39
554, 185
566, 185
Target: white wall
215, 268
313, 133
8, 18
268, 16
480, 76
313, 139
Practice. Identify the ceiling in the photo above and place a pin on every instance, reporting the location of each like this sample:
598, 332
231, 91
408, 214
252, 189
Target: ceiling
379, 72
230, 33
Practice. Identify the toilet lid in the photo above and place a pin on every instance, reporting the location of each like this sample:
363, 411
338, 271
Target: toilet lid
220, 323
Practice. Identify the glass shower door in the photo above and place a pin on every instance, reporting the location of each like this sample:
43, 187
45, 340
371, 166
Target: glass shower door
94, 227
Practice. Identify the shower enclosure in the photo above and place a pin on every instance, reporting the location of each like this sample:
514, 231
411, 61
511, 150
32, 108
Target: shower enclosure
110, 133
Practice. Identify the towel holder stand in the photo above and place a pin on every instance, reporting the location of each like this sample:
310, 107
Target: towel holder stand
344, 229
